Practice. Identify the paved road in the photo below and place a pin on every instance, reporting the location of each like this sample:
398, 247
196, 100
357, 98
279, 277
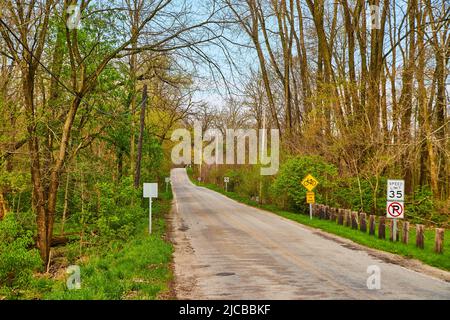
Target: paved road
227, 250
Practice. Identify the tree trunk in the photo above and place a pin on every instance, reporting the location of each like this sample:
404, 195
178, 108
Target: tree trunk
135, 20
38, 198
66, 204
301, 51
426, 147
406, 99
3, 209
441, 106
56, 173
119, 165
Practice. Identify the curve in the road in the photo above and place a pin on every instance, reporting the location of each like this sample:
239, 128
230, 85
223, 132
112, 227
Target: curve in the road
224, 249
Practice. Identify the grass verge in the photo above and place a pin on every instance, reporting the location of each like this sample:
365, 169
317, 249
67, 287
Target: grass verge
426, 255
137, 268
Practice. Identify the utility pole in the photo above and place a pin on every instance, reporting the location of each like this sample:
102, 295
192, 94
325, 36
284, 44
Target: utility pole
137, 175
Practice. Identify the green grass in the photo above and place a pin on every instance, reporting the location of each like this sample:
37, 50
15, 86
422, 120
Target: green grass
426, 255
137, 268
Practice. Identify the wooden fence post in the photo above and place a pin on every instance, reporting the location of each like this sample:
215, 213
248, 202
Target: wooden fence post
382, 228
333, 214
362, 222
391, 231
372, 225
405, 232
355, 220
341, 217
439, 240
326, 213
419, 236
347, 218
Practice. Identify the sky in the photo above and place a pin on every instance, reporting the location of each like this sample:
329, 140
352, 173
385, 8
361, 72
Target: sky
212, 88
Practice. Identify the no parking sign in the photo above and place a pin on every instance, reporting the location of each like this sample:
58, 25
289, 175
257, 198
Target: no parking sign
395, 210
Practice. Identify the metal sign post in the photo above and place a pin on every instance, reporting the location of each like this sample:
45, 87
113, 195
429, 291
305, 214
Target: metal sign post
395, 208
226, 180
150, 191
310, 198
150, 216
394, 231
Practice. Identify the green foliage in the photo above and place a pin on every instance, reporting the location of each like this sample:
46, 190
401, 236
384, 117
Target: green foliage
368, 195
18, 188
17, 260
153, 158
118, 136
118, 215
27, 220
137, 267
287, 186
245, 181
420, 206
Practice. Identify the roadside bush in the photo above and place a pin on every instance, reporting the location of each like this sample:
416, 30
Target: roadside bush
420, 206
287, 188
244, 181
17, 259
118, 215
361, 194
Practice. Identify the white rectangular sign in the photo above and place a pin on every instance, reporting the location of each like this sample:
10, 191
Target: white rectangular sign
395, 210
396, 190
167, 179
150, 190
226, 179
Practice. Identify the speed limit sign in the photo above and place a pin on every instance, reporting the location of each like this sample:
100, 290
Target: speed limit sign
396, 190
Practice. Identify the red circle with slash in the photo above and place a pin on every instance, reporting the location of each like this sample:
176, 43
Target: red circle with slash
395, 209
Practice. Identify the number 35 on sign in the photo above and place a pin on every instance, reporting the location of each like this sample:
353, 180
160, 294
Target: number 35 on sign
395, 190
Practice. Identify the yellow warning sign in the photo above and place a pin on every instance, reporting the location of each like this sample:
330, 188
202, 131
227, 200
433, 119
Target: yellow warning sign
310, 197
309, 182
